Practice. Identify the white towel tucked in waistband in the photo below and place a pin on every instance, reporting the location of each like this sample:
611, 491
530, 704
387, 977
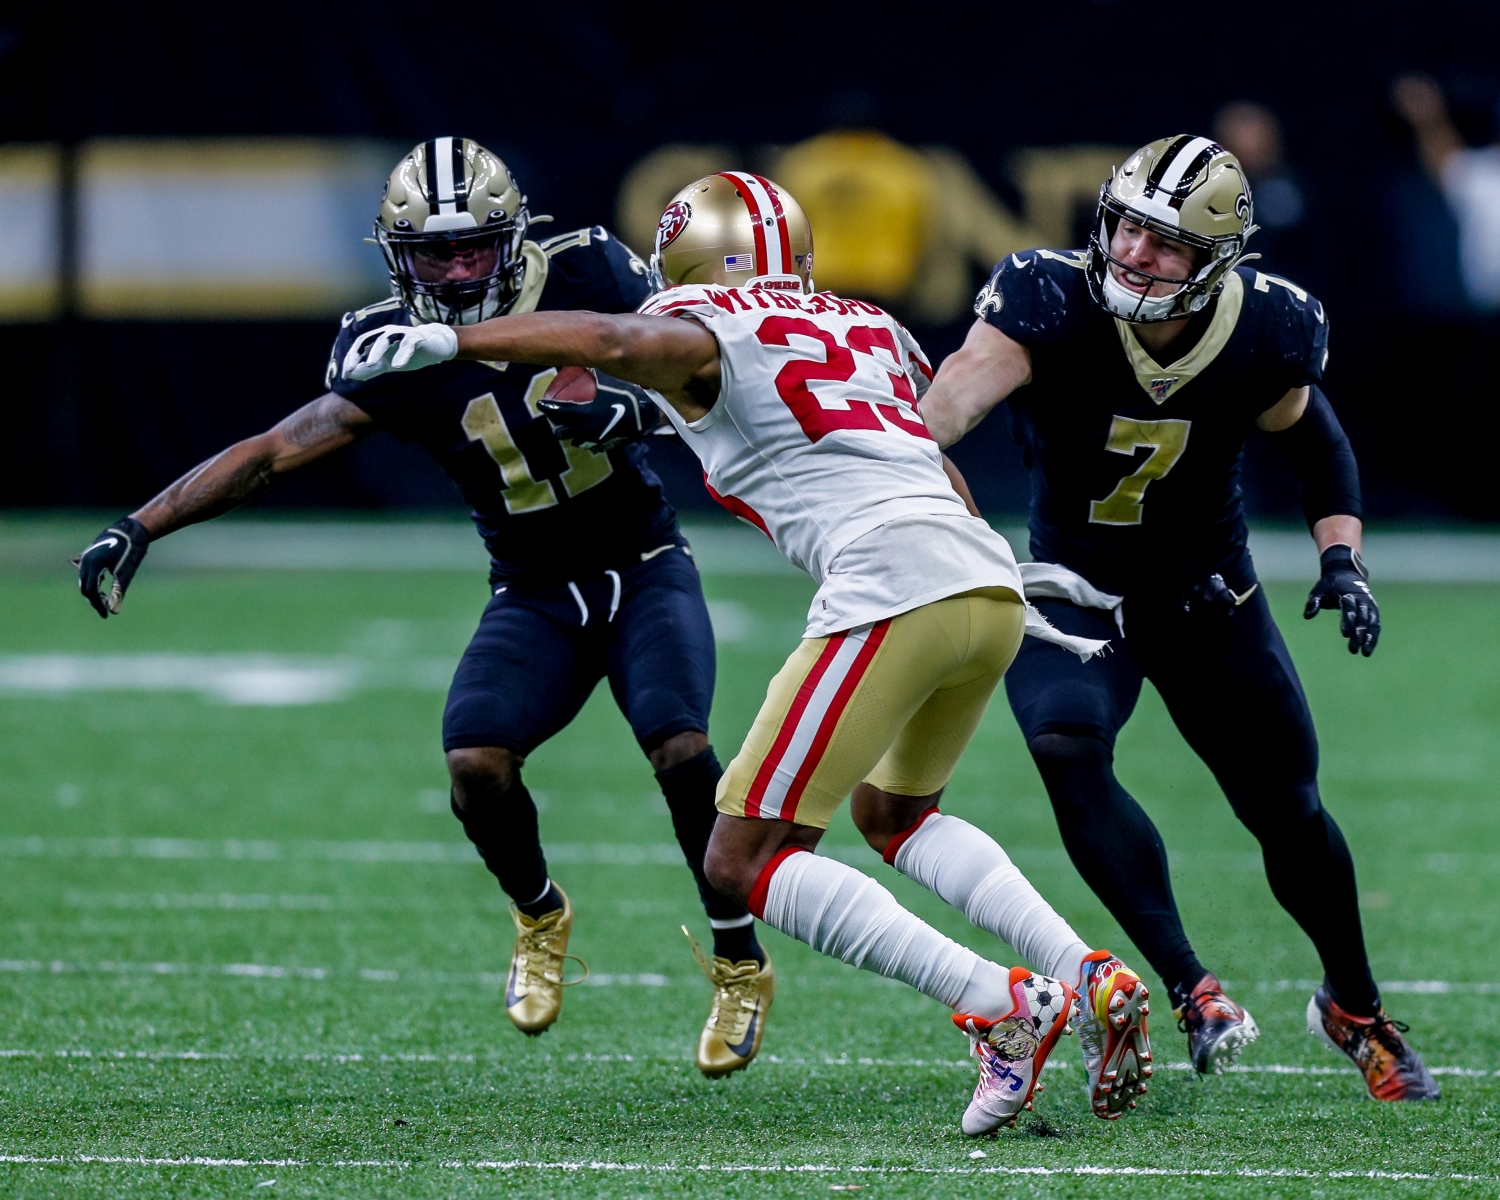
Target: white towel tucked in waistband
1052, 582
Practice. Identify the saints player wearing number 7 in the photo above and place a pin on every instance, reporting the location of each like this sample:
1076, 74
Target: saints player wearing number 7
802, 407
1136, 370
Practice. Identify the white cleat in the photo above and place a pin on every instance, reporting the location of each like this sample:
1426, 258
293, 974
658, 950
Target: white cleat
1012, 1050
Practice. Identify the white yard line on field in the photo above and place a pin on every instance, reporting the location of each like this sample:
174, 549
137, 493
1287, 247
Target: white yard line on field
905, 1064
266, 971
60, 966
450, 853
726, 1169
622, 854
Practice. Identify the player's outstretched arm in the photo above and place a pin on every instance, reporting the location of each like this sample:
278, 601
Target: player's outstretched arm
981, 373
227, 480
1308, 434
674, 356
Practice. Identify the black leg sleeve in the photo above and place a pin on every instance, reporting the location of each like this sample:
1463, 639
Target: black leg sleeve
1233, 691
689, 790
1311, 874
1117, 850
502, 825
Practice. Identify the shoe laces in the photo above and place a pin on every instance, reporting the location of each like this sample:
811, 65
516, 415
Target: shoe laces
1388, 1033
992, 1071
539, 953
735, 991
1195, 1009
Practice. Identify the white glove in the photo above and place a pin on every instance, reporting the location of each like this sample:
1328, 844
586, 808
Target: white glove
399, 348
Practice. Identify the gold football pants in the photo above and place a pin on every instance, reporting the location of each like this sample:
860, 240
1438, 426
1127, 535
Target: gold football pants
893, 703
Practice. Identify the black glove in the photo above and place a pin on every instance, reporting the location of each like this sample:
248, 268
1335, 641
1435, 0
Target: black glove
1213, 595
597, 411
118, 552
1343, 588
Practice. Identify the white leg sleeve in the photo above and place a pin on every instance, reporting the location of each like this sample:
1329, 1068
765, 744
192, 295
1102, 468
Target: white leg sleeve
968, 869
848, 916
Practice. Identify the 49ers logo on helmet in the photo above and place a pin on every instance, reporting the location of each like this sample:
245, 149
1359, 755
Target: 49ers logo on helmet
672, 223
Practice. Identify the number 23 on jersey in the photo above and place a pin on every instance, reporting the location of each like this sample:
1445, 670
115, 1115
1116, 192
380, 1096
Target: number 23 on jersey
817, 419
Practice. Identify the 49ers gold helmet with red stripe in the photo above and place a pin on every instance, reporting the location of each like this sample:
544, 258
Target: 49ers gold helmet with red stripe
737, 230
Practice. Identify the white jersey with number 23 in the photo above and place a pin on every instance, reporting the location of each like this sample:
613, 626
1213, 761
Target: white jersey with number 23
816, 439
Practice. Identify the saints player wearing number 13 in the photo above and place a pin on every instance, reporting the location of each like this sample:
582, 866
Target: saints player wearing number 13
589, 574
1137, 370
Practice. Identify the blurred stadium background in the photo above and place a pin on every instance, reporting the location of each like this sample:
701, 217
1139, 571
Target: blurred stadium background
184, 190
237, 920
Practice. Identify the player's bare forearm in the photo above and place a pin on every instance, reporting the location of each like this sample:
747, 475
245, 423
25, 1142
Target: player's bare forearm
677, 357
1340, 530
972, 380
248, 468
960, 485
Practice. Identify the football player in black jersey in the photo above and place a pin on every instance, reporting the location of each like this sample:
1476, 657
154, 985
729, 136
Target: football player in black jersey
1136, 370
589, 574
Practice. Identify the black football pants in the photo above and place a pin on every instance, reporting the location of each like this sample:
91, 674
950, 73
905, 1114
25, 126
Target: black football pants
1230, 686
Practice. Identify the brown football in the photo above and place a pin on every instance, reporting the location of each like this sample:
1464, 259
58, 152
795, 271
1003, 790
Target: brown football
573, 385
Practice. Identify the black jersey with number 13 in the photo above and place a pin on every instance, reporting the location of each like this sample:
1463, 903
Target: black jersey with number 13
1136, 465
548, 510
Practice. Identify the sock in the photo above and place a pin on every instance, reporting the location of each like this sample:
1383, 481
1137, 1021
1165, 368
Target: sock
736, 940
968, 869
502, 826
689, 789
549, 901
849, 916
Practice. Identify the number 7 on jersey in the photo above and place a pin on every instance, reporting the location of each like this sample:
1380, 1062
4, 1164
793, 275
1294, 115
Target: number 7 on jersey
1165, 439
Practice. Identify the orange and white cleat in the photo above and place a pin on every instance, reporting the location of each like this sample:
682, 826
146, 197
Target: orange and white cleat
1392, 1069
1012, 1050
1112, 1012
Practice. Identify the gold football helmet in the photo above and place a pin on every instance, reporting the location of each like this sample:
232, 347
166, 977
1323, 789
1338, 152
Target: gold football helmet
1189, 190
451, 226
737, 230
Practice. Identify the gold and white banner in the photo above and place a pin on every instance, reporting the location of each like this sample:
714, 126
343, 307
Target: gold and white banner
28, 232
197, 228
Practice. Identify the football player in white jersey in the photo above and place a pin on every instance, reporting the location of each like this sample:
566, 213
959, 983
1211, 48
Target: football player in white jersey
803, 408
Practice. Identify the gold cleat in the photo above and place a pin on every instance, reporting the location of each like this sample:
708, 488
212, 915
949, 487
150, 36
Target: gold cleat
533, 992
743, 992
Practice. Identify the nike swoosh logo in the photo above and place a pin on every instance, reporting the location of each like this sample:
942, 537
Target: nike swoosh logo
1016, 258
511, 999
619, 414
743, 1049
104, 542
1319, 314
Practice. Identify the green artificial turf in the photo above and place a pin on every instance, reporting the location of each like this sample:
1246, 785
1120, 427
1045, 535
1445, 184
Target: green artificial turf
303, 974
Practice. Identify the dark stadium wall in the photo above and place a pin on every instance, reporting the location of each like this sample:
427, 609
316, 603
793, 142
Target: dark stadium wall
103, 412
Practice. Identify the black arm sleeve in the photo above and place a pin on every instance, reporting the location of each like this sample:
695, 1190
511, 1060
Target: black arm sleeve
1319, 451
